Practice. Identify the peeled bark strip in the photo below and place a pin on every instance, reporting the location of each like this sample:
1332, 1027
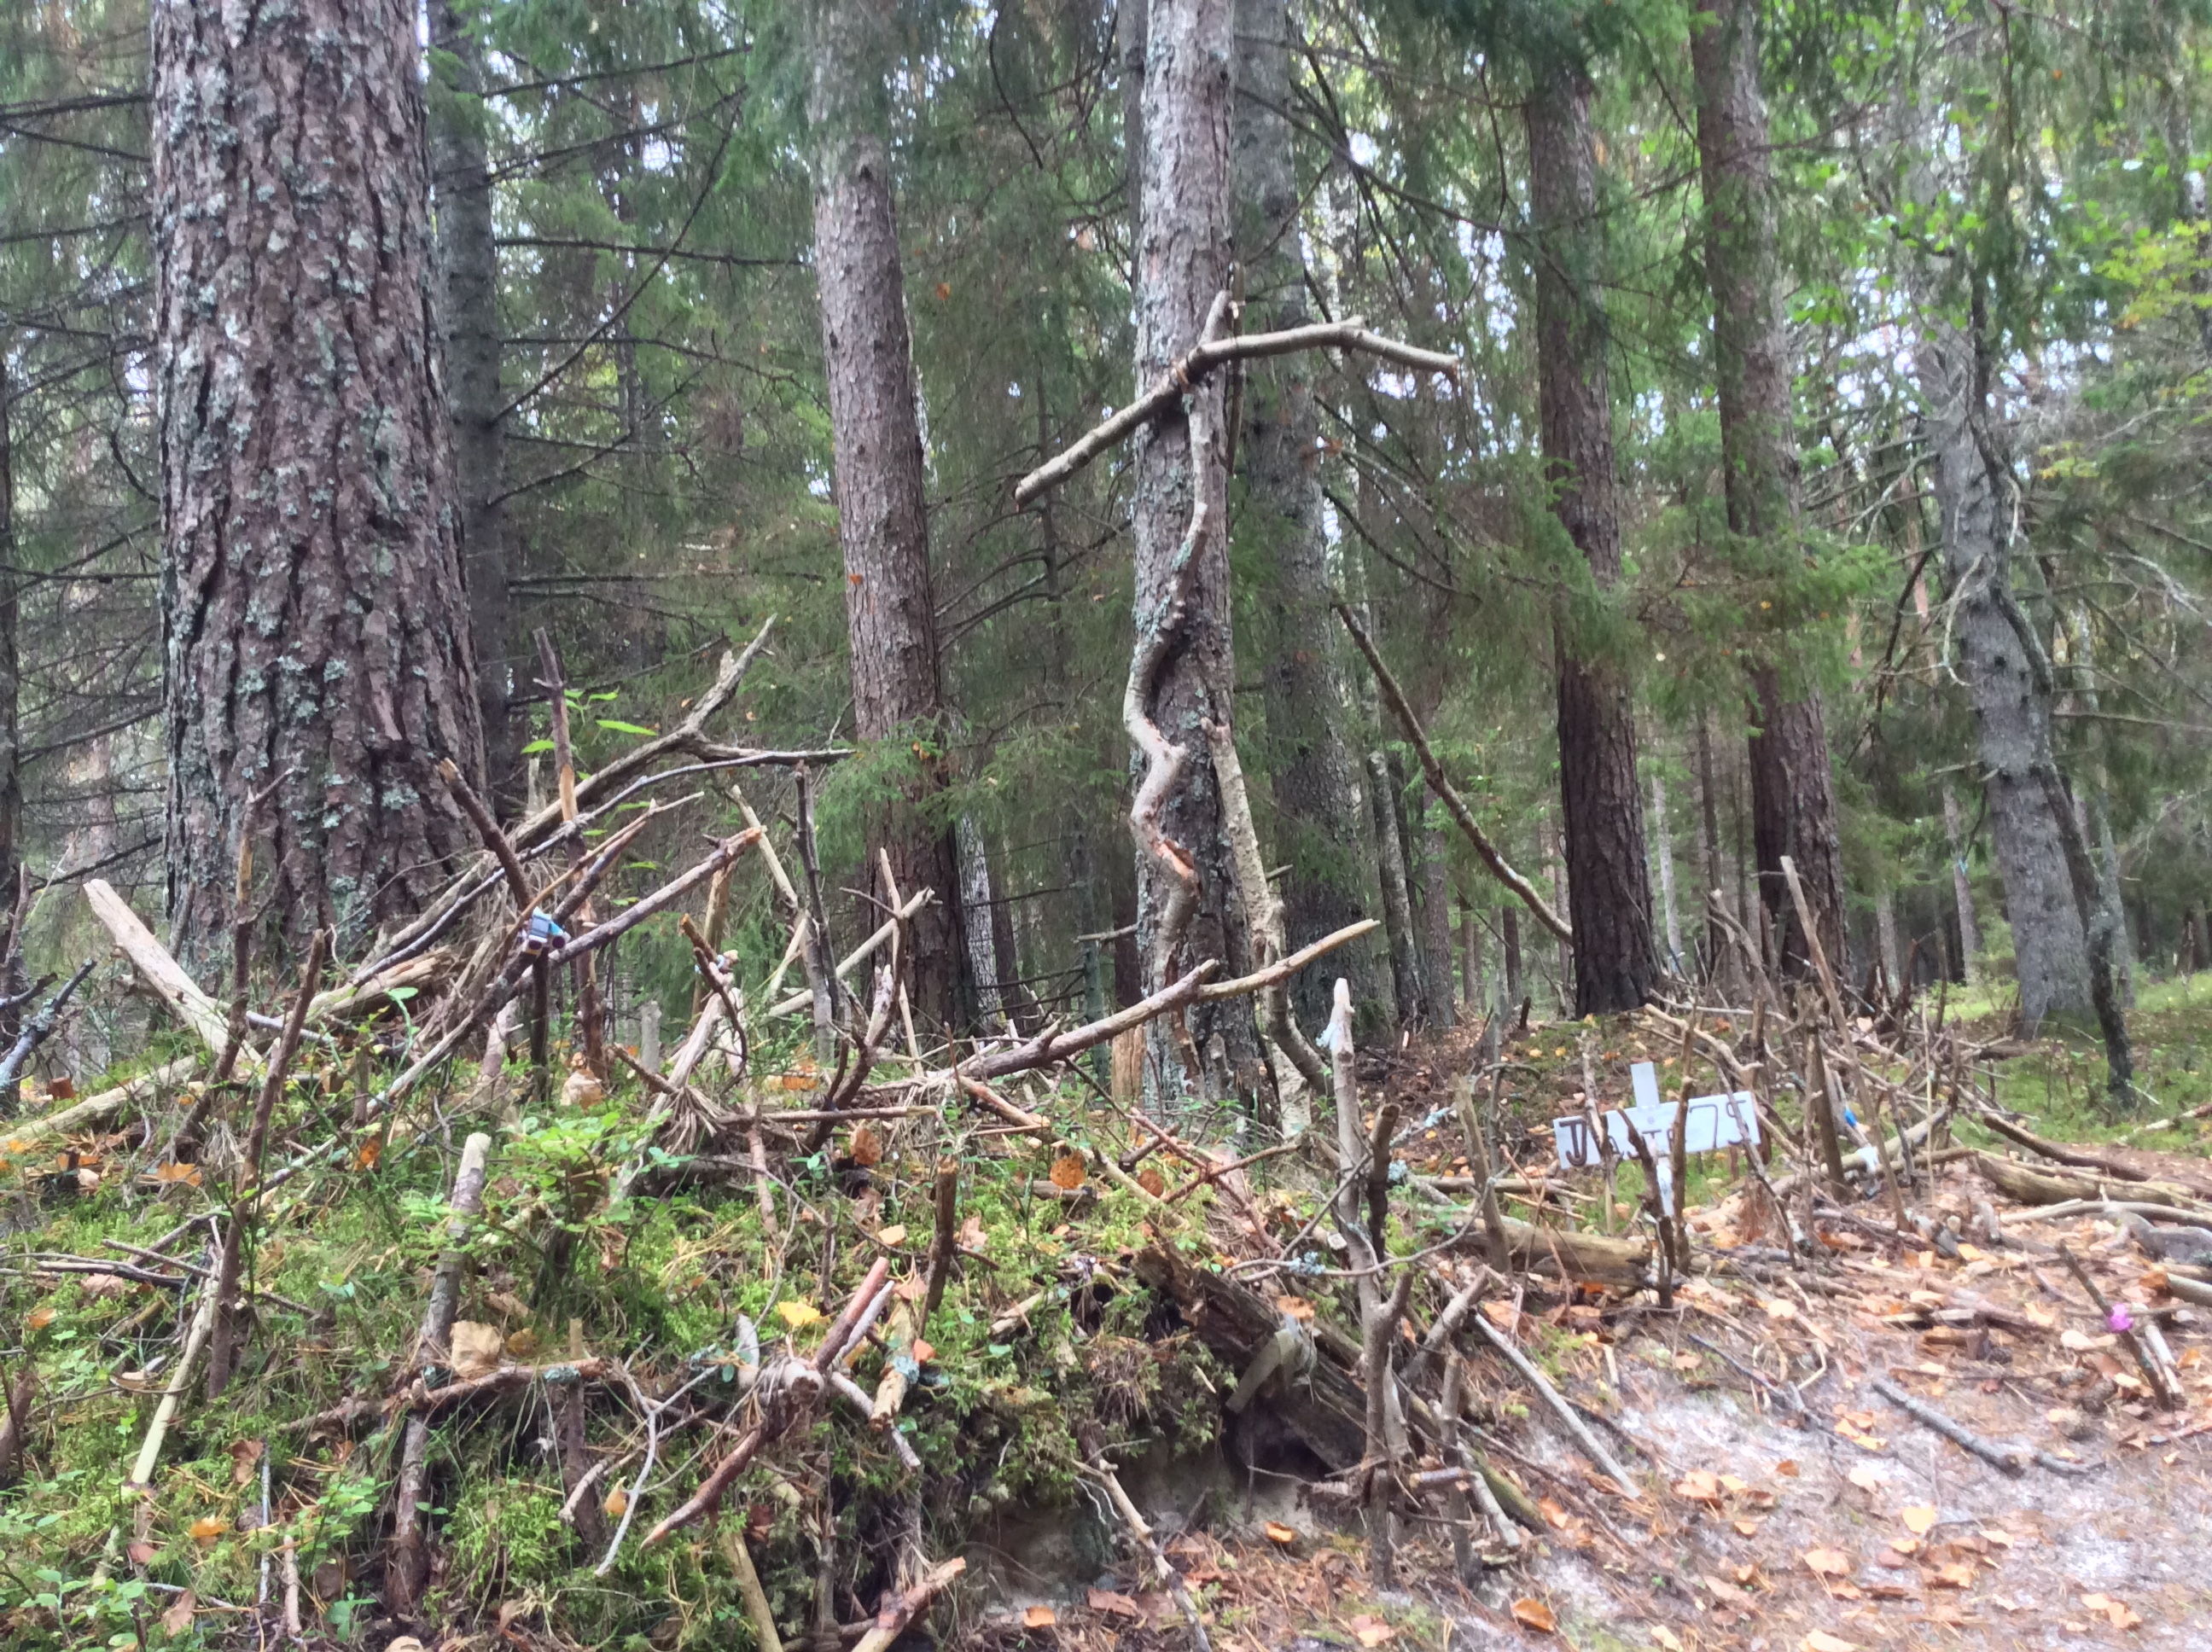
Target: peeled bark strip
1608, 887
314, 619
1320, 828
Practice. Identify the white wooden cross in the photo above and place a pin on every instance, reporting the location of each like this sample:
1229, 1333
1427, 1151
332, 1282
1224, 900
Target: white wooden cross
1714, 1122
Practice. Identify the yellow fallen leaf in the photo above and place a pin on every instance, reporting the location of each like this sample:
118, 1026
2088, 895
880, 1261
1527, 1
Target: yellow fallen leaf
475, 1348
1820, 1641
1867, 1478
1279, 1533
1039, 1616
177, 1619
892, 1236
38, 1318
1532, 1613
1665, 1637
1152, 1182
208, 1527
1827, 1562
797, 1312
922, 1352
1068, 1172
1370, 1630
616, 1504
1918, 1518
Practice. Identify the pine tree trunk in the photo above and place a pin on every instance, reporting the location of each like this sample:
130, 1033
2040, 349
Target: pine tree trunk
11, 693
976, 923
1608, 886
314, 617
1793, 804
1436, 917
875, 440
2012, 707
1317, 804
1182, 265
1885, 929
468, 314
1409, 995
1474, 996
1509, 930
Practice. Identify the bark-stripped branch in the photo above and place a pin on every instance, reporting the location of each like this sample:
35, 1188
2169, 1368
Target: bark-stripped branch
1184, 373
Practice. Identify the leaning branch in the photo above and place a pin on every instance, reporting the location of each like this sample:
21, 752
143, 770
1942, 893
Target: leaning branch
1500, 866
1184, 373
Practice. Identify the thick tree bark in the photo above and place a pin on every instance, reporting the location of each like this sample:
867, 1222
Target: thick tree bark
2012, 707
468, 314
1793, 803
316, 627
1182, 589
1608, 885
876, 441
1320, 831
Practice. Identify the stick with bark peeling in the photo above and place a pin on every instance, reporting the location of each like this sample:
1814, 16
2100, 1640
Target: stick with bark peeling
409, 1565
1487, 852
248, 1191
901, 1609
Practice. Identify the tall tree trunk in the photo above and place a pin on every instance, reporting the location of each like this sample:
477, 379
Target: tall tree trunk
1793, 803
1608, 885
976, 921
1995, 655
1509, 932
1662, 843
1409, 995
11, 693
468, 314
1885, 930
1720, 954
1474, 994
316, 626
1436, 919
876, 438
2097, 812
1320, 831
1183, 590
1962, 888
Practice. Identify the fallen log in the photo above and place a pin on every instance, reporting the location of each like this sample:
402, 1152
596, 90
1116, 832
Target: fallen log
2120, 1163
2028, 1186
97, 1109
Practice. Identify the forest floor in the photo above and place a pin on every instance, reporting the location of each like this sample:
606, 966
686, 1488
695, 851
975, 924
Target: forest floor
1790, 1508
1783, 1504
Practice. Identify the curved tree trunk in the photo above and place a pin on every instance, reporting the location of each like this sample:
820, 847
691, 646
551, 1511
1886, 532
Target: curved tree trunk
316, 628
1183, 264
468, 279
1793, 801
1608, 885
1320, 831
876, 439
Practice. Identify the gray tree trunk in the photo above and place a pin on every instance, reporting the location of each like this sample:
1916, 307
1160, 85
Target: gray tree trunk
1410, 996
1436, 919
1662, 843
314, 618
976, 923
1319, 828
2097, 818
1962, 888
1602, 806
1508, 933
875, 440
1885, 929
1793, 803
2012, 708
468, 313
11, 693
1182, 265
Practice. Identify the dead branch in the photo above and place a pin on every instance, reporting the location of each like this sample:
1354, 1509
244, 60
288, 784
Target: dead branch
1487, 852
900, 1609
40, 1027
1183, 374
1569, 1419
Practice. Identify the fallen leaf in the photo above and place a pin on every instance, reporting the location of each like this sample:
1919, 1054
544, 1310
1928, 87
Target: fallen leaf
1820, 1641
2081, 1342
1919, 1518
1698, 1486
62, 1089
616, 1504
244, 1454
1867, 1478
1039, 1616
1112, 1603
1957, 1575
1665, 1637
1553, 1514
971, 1234
179, 1618
38, 1318
521, 1344
1068, 1172
1827, 1562
365, 1156
141, 1552
1787, 1466
892, 1236
1747, 1528
1296, 1307
475, 1348
1279, 1533
1532, 1613
208, 1527
867, 1148
1369, 1630
797, 1312
1994, 1535
1776, 1308
923, 1352
173, 1172
1152, 1182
